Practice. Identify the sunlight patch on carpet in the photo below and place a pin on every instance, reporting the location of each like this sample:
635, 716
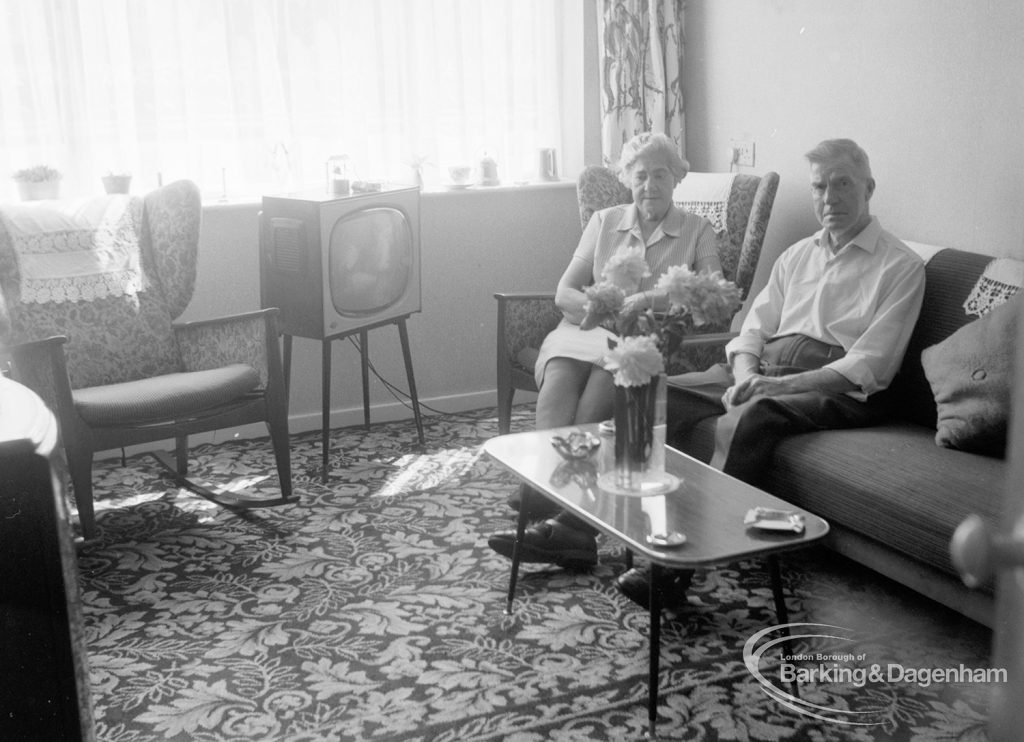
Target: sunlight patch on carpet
424, 472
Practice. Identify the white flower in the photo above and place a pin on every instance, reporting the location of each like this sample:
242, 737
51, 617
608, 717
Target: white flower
604, 302
635, 360
707, 297
626, 268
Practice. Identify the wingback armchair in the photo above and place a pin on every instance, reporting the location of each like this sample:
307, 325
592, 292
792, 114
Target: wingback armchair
89, 294
740, 217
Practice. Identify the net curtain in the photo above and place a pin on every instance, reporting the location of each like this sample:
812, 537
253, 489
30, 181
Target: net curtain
641, 48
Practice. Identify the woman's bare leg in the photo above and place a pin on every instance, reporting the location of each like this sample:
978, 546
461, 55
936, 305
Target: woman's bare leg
597, 398
565, 380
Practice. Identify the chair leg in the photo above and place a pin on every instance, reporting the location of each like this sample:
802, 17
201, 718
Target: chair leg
279, 439
80, 469
181, 454
505, 409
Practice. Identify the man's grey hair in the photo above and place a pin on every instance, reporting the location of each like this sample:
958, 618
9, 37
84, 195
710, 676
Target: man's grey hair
831, 150
656, 146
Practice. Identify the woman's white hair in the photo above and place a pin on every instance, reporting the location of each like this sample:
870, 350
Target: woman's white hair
653, 145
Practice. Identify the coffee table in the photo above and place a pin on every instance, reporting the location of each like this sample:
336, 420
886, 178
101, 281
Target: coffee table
708, 507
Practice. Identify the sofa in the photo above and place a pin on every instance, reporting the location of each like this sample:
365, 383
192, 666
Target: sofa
894, 494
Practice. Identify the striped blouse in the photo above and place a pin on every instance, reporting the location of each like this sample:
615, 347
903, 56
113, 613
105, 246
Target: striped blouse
680, 239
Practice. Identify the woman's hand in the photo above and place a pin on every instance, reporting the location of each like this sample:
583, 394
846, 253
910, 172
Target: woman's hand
569, 296
636, 303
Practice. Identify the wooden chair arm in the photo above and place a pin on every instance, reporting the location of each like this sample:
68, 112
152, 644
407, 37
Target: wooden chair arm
504, 296
710, 339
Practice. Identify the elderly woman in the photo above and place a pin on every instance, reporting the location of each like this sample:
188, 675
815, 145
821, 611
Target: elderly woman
574, 386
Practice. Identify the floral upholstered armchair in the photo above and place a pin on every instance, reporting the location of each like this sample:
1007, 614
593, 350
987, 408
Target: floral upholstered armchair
738, 206
89, 294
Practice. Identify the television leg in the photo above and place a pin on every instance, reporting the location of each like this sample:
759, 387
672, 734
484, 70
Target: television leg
364, 363
325, 397
403, 334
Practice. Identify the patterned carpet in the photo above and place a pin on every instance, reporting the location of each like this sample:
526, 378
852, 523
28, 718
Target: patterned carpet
373, 610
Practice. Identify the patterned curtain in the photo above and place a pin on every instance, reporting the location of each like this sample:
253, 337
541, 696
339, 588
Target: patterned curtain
641, 47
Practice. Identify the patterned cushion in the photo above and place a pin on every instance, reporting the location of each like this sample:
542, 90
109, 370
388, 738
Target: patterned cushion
738, 265
167, 397
971, 374
171, 234
113, 339
598, 188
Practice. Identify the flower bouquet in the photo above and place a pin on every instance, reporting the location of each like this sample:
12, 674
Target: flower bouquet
644, 343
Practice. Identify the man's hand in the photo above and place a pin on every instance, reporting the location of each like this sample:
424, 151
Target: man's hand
754, 384
750, 384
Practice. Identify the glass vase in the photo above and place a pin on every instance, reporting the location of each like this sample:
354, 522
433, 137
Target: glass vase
639, 461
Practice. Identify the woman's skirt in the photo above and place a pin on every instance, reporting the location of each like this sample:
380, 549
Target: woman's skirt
569, 341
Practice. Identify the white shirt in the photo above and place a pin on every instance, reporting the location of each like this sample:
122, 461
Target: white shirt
866, 298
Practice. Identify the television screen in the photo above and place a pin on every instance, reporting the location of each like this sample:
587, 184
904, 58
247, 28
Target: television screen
370, 261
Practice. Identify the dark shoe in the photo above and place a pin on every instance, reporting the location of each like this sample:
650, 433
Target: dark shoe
538, 507
635, 585
549, 542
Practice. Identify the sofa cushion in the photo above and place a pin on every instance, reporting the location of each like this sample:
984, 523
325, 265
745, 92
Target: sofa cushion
950, 275
890, 483
971, 374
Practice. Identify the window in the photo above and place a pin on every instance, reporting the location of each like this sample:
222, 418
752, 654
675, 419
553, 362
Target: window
250, 96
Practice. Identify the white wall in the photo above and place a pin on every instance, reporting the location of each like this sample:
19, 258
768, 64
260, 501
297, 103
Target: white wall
474, 243
932, 89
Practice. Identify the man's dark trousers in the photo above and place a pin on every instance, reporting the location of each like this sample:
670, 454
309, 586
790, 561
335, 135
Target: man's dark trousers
746, 435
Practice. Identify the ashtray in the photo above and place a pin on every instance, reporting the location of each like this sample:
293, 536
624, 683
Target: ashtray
666, 539
771, 519
576, 445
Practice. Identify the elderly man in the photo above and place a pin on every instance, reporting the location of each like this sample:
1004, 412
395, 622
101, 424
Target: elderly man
821, 339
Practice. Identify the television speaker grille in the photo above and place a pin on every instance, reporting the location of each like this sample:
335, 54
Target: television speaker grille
288, 238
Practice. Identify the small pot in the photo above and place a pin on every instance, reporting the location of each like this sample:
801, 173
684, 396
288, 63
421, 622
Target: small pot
36, 190
116, 183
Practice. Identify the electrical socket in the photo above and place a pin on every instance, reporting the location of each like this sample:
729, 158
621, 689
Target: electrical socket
743, 152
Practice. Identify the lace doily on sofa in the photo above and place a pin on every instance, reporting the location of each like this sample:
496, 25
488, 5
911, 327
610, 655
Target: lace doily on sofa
1001, 279
76, 250
706, 195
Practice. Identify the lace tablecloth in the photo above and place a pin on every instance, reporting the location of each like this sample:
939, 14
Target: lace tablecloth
78, 250
707, 195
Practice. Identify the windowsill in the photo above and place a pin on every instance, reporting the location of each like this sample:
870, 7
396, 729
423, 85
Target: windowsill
429, 191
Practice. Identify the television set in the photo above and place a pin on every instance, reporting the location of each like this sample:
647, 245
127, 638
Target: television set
334, 264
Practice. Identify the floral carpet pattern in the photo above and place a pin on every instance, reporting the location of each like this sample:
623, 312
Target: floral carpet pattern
372, 609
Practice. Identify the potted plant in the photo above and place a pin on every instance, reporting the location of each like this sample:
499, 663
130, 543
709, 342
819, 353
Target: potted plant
39, 181
116, 182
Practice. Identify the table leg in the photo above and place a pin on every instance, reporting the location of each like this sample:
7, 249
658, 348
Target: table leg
654, 599
516, 554
781, 612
